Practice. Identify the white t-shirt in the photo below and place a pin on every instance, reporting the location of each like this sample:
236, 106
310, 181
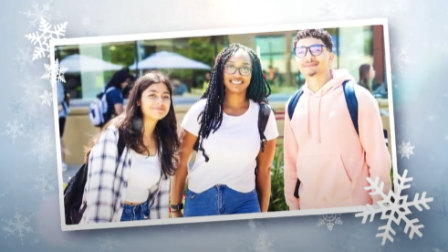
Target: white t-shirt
145, 173
232, 149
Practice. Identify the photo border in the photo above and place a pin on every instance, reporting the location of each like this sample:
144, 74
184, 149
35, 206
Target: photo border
218, 32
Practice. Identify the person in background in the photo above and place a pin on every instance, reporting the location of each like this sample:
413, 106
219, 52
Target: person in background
63, 113
366, 76
127, 89
322, 148
179, 88
114, 93
367, 80
206, 82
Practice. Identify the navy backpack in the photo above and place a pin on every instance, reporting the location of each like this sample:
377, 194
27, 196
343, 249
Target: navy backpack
352, 104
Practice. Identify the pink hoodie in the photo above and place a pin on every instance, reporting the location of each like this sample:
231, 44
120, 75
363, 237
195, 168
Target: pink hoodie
323, 150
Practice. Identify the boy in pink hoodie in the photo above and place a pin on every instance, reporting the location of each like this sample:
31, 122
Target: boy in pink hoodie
321, 146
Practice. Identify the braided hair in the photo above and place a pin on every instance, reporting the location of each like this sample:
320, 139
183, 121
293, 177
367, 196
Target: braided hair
258, 91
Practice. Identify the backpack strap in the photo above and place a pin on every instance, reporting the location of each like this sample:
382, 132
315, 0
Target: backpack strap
352, 102
263, 117
293, 103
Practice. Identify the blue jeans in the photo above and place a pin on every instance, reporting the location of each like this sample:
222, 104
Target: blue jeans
218, 200
137, 212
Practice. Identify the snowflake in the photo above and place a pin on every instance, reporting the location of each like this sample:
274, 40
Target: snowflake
56, 70
406, 149
401, 59
398, 7
37, 12
47, 98
394, 211
43, 146
329, 220
45, 181
29, 100
23, 58
41, 40
108, 243
345, 240
18, 226
14, 129
262, 244
334, 11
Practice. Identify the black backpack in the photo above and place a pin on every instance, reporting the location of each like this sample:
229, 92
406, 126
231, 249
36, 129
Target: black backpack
74, 191
263, 117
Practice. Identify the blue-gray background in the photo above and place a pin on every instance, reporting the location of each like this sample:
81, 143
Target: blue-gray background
28, 175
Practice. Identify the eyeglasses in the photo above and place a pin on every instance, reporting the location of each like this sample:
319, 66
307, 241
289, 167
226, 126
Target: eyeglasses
232, 70
315, 50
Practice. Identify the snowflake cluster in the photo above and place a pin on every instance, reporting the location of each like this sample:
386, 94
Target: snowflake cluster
395, 207
18, 226
330, 220
107, 243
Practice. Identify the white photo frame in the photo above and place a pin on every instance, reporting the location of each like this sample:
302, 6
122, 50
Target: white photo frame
215, 32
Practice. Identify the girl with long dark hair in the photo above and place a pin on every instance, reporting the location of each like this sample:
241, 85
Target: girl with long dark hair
366, 76
225, 124
135, 185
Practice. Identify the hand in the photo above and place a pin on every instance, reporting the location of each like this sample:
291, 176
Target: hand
177, 214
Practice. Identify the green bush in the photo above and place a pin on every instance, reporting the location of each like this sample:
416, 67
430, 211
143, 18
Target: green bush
277, 202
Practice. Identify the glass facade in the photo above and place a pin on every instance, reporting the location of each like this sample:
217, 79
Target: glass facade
352, 46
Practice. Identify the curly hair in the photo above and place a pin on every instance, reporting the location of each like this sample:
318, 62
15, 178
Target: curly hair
317, 34
258, 91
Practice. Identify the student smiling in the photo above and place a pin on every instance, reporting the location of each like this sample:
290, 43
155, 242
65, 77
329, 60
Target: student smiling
224, 127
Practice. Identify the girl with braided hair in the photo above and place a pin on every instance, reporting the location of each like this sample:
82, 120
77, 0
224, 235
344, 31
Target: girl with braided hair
223, 127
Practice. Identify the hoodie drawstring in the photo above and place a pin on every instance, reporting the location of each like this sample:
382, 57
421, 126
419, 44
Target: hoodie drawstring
318, 118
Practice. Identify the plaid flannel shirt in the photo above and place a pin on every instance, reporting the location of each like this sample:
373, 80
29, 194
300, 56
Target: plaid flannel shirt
107, 179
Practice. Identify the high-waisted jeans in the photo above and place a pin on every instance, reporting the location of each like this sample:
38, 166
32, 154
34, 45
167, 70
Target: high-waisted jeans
220, 200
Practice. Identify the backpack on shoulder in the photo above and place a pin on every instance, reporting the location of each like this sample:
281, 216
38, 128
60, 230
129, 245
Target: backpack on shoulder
74, 191
98, 108
352, 104
263, 117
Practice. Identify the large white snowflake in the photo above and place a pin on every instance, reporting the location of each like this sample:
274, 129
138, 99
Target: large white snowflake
18, 226
107, 243
57, 70
329, 220
406, 149
44, 181
394, 207
41, 38
14, 129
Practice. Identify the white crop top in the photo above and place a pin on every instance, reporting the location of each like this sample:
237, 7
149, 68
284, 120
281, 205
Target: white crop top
145, 173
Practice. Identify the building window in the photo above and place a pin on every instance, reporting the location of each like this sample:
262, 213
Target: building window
271, 50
